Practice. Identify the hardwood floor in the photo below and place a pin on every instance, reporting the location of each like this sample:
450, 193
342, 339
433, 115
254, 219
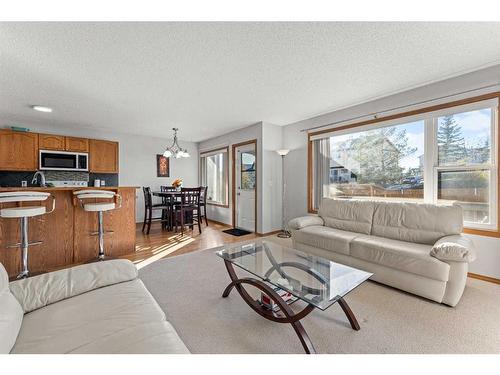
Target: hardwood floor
161, 244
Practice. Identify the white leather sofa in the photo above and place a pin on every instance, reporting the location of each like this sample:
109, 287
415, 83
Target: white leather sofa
418, 248
94, 308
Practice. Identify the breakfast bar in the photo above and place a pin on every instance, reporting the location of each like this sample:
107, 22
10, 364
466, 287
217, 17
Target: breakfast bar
66, 233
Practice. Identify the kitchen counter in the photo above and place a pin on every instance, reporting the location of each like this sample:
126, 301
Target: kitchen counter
66, 231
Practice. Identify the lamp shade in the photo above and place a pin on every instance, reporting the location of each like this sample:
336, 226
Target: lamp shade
283, 152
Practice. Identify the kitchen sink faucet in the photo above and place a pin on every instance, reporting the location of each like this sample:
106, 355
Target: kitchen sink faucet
42, 178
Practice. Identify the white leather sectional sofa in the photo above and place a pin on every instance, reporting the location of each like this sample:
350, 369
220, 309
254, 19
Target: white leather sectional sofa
94, 308
418, 248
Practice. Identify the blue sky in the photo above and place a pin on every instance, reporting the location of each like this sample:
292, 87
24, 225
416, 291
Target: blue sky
475, 129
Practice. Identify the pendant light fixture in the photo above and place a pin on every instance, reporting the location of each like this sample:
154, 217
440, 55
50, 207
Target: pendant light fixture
175, 150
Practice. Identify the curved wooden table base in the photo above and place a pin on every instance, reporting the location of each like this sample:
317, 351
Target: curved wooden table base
287, 316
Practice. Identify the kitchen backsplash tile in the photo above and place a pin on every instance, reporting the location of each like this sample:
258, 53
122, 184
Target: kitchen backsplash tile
66, 176
111, 179
14, 179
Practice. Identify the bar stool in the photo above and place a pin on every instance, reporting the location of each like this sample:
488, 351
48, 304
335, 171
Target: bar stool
99, 207
24, 213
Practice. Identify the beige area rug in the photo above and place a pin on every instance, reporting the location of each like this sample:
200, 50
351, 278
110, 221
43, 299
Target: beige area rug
189, 287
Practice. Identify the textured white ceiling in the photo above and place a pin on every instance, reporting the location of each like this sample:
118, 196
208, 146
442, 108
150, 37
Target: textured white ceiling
210, 78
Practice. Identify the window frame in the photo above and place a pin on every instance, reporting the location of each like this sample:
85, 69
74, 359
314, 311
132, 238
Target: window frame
430, 117
203, 155
492, 166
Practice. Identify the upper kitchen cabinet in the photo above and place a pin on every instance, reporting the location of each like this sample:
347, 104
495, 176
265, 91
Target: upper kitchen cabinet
77, 144
103, 156
18, 151
62, 143
51, 142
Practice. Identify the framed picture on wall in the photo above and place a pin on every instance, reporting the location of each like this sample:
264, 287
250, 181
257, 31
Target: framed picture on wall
162, 166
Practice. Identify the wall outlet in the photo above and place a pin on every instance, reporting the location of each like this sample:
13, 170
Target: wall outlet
24, 183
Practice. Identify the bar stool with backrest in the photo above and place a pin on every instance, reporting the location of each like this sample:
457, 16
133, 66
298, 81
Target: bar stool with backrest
100, 207
24, 213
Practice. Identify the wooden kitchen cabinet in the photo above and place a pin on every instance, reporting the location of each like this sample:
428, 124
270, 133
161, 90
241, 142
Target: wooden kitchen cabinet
18, 151
77, 144
51, 142
103, 156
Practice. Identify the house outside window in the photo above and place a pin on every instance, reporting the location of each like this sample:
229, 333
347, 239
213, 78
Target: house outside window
214, 175
436, 157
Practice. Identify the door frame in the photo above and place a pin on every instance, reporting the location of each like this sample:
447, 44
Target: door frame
233, 179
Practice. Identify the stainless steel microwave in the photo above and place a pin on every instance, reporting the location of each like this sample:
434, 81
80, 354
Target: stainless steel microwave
63, 161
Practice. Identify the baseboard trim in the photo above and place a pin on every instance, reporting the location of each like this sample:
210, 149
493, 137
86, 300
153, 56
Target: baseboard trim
219, 223
483, 278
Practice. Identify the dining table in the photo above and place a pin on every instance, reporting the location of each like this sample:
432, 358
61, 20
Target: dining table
169, 199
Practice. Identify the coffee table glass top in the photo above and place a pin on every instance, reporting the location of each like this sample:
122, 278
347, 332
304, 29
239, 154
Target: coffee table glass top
311, 278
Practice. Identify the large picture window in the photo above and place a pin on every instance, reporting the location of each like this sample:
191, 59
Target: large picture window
437, 157
214, 175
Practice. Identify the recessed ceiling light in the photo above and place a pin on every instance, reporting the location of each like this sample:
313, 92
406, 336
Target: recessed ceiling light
41, 108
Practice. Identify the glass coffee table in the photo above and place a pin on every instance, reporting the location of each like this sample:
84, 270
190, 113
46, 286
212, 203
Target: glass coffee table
280, 271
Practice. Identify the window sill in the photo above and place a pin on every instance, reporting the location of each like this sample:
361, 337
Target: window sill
482, 232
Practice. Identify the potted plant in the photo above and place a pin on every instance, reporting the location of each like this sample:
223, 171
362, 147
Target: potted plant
177, 183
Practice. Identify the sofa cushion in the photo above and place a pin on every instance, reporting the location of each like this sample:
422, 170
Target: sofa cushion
416, 222
326, 238
404, 256
305, 221
39, 291
11, 314
149, 338
349, 215
89, 319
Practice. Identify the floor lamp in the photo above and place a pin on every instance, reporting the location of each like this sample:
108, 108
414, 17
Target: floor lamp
284, 232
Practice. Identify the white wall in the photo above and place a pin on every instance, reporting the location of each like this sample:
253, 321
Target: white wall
137, 158
224, 214
269, 139
488, 262
272, 140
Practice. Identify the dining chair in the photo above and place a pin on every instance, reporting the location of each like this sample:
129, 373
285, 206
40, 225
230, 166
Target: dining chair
189, 203
170, 201
149, 207
203, 203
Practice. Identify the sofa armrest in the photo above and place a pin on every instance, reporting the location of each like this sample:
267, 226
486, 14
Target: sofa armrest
39, 291
454, 248
305, 221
